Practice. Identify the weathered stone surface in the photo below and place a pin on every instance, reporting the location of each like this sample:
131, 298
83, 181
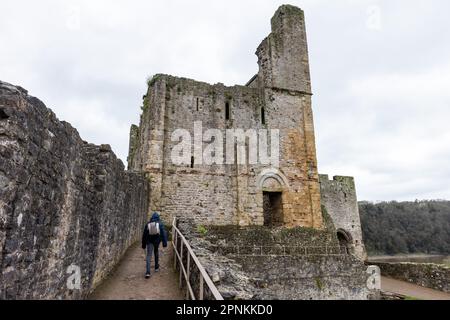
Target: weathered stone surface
266, 265
283, 55
338, 196
225, 194
430, 275
63, 202
254, 261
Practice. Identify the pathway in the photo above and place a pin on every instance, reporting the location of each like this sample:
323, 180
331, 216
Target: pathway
412, 290
127, 282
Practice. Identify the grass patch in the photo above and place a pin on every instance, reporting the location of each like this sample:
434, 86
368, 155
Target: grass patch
202, 230
411, 298
319, 284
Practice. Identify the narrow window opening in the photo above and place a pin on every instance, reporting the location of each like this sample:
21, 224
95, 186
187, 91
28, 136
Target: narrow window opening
3, 115
263, 116
227, 110
192, 162
197, 104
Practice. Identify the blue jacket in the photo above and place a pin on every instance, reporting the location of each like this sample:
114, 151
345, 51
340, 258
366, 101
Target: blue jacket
154, 239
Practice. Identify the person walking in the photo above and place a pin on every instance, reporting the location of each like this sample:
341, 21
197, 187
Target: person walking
153, 234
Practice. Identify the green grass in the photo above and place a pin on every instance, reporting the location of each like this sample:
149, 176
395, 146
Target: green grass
202, 230
411, 298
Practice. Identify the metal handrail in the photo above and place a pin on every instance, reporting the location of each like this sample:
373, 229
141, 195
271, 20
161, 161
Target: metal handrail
203, 275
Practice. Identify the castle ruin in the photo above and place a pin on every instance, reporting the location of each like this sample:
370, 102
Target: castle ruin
244, 194
269, 230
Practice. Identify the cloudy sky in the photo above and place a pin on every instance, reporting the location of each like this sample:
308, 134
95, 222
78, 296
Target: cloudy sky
380, 72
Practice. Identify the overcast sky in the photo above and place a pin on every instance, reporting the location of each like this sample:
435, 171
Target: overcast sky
380, 73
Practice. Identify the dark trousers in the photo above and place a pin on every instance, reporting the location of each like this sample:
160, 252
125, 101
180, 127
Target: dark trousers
152, 248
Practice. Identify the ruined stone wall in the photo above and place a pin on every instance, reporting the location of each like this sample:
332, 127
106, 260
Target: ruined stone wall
285, 78
339, 198
310, 277
206, 191
283, 55
233, 193
430, 275
260, 270
63, 202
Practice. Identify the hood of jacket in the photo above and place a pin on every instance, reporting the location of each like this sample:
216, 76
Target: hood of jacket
155, 217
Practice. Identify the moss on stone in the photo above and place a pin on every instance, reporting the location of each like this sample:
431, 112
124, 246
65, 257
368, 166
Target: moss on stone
150, 178
202, 230
145, 104
265, 236
319, 283
152, 80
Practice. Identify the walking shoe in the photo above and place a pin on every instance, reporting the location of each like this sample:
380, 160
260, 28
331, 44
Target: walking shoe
157, 270
147, 275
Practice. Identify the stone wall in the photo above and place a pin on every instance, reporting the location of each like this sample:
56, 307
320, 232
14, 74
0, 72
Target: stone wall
63, 203
225, 193
262, 269
430, 275
308, 277
339, 198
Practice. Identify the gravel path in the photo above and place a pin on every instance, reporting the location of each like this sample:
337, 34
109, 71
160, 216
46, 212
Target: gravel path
127, 282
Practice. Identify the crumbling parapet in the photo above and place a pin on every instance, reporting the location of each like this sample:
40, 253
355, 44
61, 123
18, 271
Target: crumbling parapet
283, 56
133, 143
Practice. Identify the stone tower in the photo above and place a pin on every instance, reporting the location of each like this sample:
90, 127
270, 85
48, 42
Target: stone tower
277, 99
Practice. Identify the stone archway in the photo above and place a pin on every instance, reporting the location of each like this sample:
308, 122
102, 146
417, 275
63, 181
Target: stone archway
272, 179
345, 241
272, 183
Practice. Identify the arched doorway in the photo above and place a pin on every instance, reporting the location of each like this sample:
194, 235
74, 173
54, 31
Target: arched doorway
273, 209
272, 184
345, 241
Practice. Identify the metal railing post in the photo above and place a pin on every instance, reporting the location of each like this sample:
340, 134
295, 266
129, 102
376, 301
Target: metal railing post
187, 275
181, 264
201, 288
175, 246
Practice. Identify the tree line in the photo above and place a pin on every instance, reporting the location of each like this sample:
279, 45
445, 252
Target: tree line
406, 227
